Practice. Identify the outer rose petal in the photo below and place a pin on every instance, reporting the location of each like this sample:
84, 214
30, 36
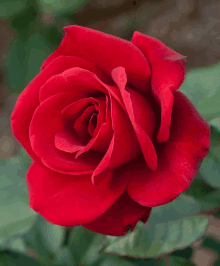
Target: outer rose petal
120, 217
141, 115
70, 200
28, 100
179, 158
107, 52
168, 70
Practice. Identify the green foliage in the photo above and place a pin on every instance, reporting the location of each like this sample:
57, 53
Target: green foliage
183, 206
63, 256
211, 243
202, 87
15, 244
177, 261
26, 22
17, 259
171, 261
52, 36
16, 217
24, 60
204, 194
80, 240
114, 260
163, 238
210, 168
44, 239
11, 8
184, 253
92, 255
58, 7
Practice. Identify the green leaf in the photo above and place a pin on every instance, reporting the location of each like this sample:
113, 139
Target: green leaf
204, 194
173, 261
16, 217
177, 261
80, 240
151, 262
57, 7
210, 201
211, 243
53, 235
92, 254
25, 158
53, 35
44, 239
183, 206
210, 170
184, 253
17, 259
14, 244
24, 61
27, 21
210, 167
146, 241
215, 123
12, 7
63, 256
202, 87
113, 261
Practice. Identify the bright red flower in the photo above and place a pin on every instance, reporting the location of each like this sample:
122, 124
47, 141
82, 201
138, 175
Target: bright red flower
110, 135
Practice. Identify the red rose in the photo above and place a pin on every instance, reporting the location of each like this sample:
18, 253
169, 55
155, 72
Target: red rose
108, 131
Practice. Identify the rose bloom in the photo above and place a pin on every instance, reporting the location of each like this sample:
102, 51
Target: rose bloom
110, 135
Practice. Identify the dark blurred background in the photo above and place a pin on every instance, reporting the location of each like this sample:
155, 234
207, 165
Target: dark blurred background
30, 30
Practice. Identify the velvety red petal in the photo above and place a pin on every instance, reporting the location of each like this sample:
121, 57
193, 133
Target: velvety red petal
122, 216
105, 51
102, 134
82, 122
101, 107
69, 200
92, 124
48, 115
67, 142
75, 133
178, 159
80, 82
141, 115
124, 145
28, 100
168, 70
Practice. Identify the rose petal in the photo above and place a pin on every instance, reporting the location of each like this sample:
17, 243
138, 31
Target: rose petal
48, 115
178, 159
107, 52
28, 100
122, 216
92, 124
81, 124
69, 200
102, 112
67, 142
141, 115
102, 134
80, 82
124, 145
168, 70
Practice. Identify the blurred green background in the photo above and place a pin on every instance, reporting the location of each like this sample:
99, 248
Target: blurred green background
177, 233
